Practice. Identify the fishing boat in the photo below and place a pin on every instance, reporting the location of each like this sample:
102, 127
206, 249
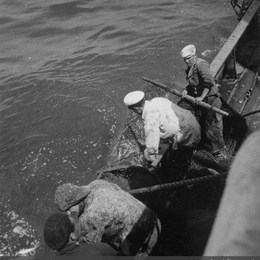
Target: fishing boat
185, 193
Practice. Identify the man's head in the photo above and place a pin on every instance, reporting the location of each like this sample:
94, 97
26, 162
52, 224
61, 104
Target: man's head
57, 231
188, 54
135, 101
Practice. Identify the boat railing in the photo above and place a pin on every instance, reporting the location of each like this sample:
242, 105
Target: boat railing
240, 9
227, 52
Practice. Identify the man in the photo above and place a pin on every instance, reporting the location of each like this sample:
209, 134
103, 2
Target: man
109, 214
164, 121
236, 231
201, 85
62, 234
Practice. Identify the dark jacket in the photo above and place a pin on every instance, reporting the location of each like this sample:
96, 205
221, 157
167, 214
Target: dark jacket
95, 249
199, 77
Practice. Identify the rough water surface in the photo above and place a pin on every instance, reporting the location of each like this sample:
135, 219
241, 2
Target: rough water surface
65, 68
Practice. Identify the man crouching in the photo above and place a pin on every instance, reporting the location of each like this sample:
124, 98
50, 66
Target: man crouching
109, 214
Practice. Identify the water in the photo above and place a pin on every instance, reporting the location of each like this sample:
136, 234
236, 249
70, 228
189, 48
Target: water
65, 68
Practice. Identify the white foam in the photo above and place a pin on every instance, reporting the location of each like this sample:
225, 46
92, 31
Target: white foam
18, 238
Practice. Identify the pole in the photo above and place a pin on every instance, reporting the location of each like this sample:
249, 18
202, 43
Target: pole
190, 98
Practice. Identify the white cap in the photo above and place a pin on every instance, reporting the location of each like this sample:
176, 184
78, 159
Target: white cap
188, 50
133, 98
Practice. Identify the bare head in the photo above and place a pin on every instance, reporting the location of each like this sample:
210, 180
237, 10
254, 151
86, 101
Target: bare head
60, 229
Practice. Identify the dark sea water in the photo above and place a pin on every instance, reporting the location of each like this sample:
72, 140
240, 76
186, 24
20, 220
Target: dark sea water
65, 67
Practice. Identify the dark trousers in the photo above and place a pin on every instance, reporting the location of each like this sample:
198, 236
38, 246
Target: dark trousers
211, 122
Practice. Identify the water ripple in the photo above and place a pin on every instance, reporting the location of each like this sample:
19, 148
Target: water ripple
65, 69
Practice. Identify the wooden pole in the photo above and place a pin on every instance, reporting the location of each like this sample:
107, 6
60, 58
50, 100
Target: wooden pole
190, 98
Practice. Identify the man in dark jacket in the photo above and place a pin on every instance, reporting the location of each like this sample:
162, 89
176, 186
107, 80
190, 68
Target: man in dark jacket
201, 85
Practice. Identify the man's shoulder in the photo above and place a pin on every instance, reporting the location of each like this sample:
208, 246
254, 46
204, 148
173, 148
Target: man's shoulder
199, 60
201, 63
103, 184
160, 101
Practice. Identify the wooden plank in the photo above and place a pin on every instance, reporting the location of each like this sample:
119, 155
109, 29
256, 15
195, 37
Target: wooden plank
217, 64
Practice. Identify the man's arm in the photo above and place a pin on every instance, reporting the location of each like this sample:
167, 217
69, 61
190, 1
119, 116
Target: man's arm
152, 135
206, 75
92, 228
207, 79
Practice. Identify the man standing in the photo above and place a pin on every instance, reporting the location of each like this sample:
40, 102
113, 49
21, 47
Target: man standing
111, 215
201, 85
164, 121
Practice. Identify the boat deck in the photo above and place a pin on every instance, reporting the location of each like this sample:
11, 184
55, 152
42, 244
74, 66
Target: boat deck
245, 96
243, 93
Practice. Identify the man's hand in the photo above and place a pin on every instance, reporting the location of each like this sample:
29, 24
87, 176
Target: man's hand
197, 99
152, 162
184, 93
174, 145
156, 161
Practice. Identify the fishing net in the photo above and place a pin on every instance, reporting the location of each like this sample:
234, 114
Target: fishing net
132, 177
126, 162
128, 146
127, 149
127, 166
235, 127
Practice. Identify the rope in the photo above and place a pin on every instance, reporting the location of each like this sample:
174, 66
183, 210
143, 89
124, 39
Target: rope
167, 186
251, 113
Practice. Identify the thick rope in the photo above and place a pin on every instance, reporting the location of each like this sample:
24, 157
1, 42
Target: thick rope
167, 186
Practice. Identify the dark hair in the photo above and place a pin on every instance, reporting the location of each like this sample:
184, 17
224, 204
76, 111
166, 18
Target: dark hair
57, 230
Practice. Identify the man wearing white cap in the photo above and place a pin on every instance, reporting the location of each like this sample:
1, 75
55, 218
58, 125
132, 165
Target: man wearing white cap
164, 121
201, 85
